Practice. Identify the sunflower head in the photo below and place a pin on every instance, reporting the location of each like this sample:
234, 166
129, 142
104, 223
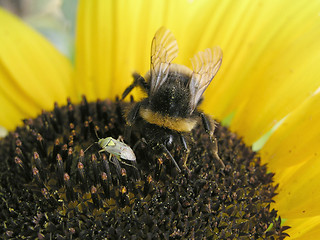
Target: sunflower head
53, 187
267, 91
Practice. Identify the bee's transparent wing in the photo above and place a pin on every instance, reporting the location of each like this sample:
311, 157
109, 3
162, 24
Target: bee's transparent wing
205, 66
164, 49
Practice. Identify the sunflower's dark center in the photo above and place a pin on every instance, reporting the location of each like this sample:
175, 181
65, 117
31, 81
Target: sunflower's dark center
52, 188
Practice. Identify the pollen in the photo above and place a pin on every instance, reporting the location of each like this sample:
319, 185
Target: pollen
52, 188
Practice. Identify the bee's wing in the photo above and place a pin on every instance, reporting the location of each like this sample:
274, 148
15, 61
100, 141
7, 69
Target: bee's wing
205, 66
164, 49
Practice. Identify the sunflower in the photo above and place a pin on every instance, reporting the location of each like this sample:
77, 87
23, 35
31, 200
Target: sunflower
266, 90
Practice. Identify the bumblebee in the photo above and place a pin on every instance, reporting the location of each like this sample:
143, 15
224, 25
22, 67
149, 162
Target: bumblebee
169, 112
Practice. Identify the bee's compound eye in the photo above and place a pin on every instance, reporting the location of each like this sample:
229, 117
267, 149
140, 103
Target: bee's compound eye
169, 142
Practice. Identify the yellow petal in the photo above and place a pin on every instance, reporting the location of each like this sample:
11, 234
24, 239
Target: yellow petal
304, 228
120, 41
299, 194
297, 138
33, 74
270, 65
293, 152
109, 40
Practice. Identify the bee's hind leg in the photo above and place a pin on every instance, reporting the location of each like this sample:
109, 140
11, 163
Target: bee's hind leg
186, 150
170, 156
138, 80
210, 129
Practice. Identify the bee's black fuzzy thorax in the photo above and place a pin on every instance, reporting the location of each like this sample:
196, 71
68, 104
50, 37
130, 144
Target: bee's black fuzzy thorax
172, 99
52, 189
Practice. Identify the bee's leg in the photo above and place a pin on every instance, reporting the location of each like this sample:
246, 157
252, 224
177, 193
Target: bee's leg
187, 151
132, 115
138, 80
210, 129
170, 156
